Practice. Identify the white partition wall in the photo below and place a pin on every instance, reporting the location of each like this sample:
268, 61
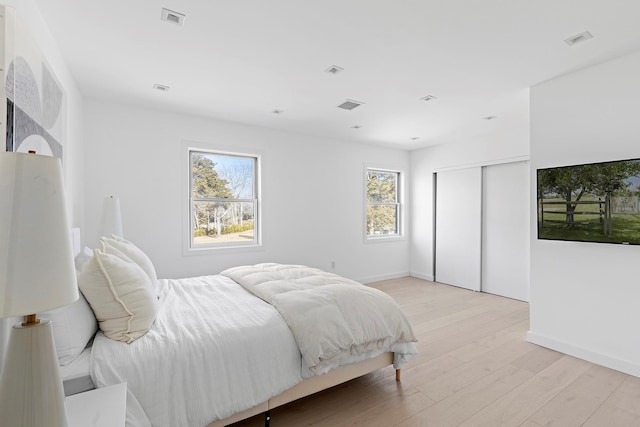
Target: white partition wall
458, 227
584, 296
505, 230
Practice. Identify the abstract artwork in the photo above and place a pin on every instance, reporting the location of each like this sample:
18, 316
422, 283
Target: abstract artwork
35, 100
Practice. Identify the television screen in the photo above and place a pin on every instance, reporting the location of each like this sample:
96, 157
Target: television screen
596, 202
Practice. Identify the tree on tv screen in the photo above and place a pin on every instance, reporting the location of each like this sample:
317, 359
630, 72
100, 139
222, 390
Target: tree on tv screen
571, 183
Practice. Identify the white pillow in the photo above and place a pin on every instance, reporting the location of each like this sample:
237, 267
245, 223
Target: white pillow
73, 327
132, 252
82, 257
118, 291
109, 249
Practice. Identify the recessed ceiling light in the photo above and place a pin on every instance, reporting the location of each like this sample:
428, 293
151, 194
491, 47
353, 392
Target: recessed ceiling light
428, 98
356, 127
350, 104
334, 69
172, 17
490, 118
276, 111
161, 88
578, 38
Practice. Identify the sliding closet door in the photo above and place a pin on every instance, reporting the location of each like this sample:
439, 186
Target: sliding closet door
505, 230
458, 227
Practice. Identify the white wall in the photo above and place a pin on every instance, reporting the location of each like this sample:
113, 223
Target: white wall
313, 194
493, 148
585, 296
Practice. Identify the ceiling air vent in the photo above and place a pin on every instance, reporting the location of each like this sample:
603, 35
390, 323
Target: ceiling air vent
578, 38
173, 17
350, 104
334, 69
161, 88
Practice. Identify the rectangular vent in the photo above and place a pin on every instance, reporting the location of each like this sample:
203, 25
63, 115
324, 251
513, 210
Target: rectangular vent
161, 88
578, 38
350, 104
173, 17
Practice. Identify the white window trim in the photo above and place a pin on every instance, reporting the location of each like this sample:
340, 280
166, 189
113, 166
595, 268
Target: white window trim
185, 149
401, 203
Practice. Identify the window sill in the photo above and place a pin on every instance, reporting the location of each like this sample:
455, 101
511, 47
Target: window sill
384, 239
221, 250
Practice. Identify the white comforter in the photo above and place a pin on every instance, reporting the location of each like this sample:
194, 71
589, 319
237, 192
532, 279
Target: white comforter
191, 368
332, 318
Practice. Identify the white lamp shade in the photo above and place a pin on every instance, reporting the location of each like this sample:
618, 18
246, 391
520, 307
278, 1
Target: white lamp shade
37, 271
111, 217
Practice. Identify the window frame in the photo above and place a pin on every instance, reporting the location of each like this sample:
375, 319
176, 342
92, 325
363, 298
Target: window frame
189, 246
399, 203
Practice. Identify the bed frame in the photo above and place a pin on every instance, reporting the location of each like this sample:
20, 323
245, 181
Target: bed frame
312, 385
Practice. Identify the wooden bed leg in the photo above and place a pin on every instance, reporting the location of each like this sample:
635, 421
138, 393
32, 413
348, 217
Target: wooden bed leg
267, 418
397, 374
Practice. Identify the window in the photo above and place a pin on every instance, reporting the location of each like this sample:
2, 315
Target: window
223, 199
383, 204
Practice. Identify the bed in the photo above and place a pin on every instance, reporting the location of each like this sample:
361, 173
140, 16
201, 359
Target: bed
219, 350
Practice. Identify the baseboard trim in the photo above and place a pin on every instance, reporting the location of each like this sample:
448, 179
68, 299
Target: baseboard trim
422, 276
586, 354
383, 277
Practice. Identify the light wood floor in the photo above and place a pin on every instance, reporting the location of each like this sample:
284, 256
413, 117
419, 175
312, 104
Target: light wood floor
474, 369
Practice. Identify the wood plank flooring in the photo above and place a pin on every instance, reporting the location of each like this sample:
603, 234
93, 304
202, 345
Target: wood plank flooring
474, 369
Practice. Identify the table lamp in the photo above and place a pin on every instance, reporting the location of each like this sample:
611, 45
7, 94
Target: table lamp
111, 218
37, 274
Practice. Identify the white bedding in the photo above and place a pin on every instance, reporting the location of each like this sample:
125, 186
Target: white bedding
332, 318
75, 376
190, 368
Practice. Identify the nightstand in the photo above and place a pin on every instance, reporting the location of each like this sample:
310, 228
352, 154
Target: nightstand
102, 407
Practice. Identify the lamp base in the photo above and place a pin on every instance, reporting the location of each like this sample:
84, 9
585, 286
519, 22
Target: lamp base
31, 393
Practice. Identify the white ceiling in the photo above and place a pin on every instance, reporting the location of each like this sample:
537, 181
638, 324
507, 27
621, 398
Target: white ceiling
239, 60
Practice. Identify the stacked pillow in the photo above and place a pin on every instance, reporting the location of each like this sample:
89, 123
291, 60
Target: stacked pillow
119, 282
73, 325
119, 246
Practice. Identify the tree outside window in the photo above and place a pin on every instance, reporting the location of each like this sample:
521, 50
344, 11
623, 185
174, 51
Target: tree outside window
223, 199
383, 203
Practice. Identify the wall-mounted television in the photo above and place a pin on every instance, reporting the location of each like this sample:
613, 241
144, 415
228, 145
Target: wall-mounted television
594, 202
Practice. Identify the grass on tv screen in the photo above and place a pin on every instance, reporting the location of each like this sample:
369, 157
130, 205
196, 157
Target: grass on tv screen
595, 202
